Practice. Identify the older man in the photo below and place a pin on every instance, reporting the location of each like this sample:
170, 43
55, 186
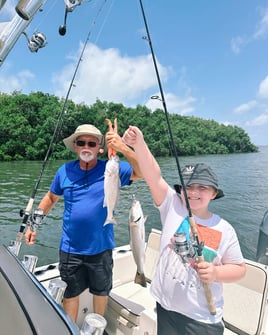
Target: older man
86, 243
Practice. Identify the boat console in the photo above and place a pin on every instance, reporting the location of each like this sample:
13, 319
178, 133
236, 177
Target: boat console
25, 305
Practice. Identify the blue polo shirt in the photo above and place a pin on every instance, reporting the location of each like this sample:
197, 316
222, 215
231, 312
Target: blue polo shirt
84, 215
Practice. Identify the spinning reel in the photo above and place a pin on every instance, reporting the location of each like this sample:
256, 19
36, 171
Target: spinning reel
37, 41
187, 250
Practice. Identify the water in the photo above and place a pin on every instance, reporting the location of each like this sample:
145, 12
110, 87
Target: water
243, 177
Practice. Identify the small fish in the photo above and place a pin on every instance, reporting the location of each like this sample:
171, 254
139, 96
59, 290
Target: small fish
111, 179
111, 188
137, 239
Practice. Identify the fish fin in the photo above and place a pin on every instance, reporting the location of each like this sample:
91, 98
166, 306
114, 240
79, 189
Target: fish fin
140, 279
110, 221
104, 202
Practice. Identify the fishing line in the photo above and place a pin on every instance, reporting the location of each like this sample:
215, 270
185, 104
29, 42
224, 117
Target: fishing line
199, 245
162, 99
46, 15
27, 212
104, 21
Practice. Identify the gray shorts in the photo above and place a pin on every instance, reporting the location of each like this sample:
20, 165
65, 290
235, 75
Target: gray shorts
80, 272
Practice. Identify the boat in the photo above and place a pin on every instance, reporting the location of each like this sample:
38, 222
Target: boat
27, 307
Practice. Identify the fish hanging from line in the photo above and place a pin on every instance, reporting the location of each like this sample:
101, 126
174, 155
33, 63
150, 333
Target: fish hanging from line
137, 239
111, 180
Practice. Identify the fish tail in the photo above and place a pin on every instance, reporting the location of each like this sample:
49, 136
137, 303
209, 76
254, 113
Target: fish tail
111, 152
140, 279
109, 221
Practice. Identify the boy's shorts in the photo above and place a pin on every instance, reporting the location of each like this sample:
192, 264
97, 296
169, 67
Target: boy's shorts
173, 323
82, 271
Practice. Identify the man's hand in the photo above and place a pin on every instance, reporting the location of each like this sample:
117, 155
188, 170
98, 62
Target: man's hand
30, 236
114, 141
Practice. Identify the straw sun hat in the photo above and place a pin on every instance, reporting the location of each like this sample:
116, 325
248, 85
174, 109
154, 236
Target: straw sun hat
84, 129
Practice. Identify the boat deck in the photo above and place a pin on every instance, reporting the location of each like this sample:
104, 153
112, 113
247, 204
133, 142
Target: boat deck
131, 308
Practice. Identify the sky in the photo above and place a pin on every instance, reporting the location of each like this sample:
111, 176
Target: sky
212, 57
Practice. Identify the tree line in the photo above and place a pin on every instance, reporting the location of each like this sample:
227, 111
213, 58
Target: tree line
28, 123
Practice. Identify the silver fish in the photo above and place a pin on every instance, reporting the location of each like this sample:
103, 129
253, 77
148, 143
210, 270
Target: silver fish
111, 188
137, 239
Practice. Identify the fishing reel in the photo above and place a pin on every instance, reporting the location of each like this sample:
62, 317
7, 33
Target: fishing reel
34, 219
38, 216
37, 41
187, 250
70, 5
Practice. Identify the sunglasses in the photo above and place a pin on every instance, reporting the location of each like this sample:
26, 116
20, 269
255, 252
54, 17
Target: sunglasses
81, 143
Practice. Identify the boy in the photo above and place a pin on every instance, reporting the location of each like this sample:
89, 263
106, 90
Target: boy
177, 285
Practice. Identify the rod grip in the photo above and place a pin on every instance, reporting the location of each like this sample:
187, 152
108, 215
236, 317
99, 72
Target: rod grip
25, 219
208, 293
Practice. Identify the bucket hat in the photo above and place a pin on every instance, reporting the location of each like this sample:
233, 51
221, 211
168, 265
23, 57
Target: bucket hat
199, 174
84, 129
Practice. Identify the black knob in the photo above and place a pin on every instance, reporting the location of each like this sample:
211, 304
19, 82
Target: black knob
22, 212
62, 30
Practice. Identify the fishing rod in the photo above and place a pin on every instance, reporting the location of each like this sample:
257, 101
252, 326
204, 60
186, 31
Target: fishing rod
199, 245
36, 218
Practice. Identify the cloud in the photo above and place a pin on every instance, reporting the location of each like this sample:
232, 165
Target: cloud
257, 107
174, 104
262, 26
263, 89
246, 107
108, 75
260, 120
237, 43
261, 32
11, 82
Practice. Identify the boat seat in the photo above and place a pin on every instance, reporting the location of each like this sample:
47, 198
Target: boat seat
244, 301
126, 299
